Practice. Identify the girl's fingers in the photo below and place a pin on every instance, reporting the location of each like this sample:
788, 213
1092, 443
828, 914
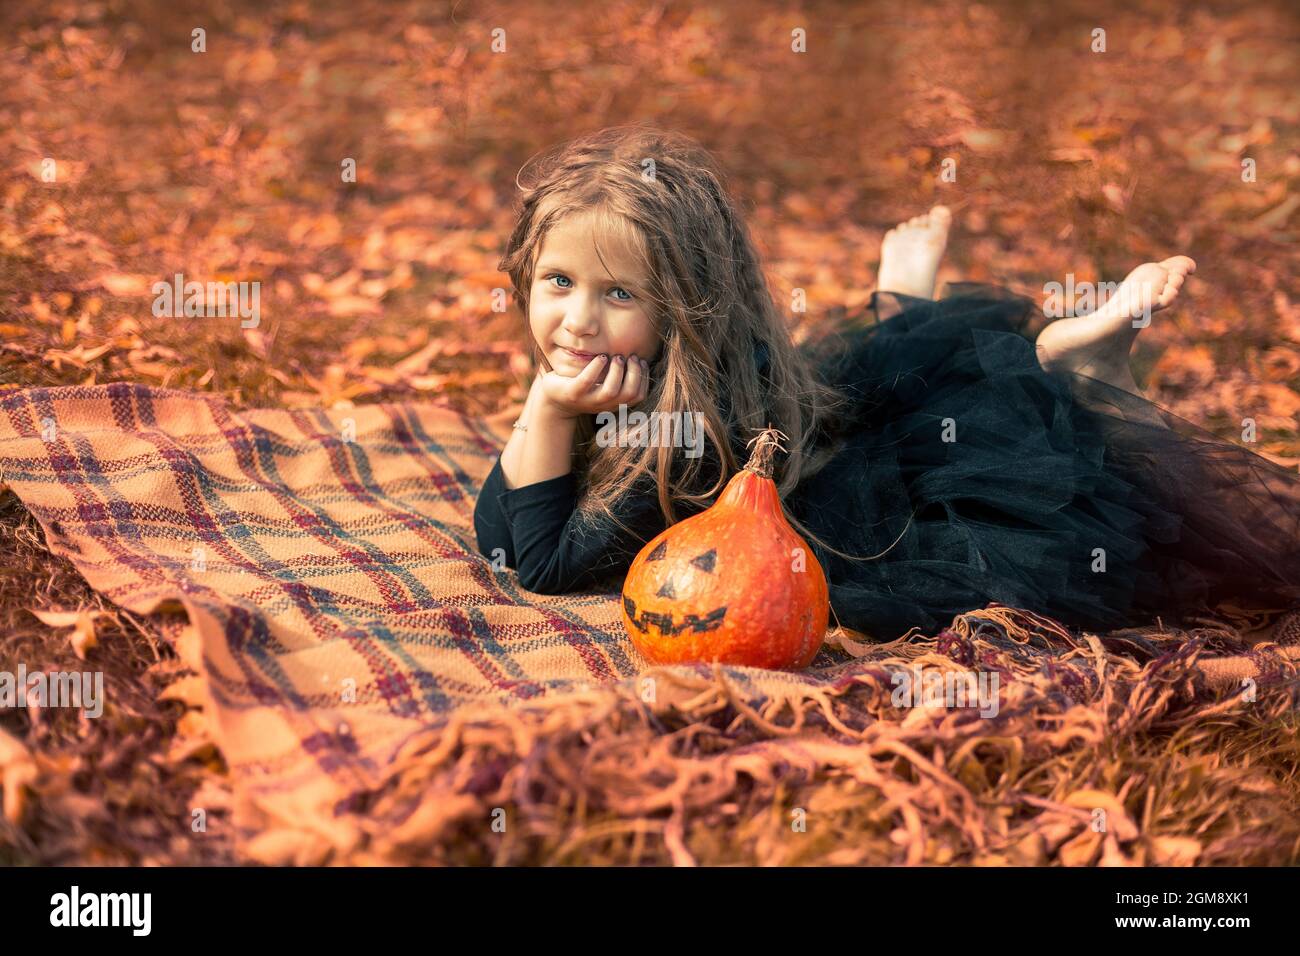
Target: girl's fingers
610, 380
613, 381
633, 380
642, 383
590, 375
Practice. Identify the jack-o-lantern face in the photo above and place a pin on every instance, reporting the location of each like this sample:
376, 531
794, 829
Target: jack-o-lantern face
734, 584
676, 585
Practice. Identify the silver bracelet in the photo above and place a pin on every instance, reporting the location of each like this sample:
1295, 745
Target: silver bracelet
522, 428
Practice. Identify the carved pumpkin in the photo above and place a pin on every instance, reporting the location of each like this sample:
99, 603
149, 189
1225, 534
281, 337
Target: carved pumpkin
733, 584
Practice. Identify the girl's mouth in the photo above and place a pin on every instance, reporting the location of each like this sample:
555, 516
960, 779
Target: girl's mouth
581, 356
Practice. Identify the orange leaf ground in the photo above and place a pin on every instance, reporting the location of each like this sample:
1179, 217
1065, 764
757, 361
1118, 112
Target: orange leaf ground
129, 157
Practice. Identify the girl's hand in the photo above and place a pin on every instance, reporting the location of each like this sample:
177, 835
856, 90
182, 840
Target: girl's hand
604, 385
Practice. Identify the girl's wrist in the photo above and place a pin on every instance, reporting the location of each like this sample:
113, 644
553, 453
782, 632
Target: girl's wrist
548, 411
541, 448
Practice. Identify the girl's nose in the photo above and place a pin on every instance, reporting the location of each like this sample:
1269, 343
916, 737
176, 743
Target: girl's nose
582, 320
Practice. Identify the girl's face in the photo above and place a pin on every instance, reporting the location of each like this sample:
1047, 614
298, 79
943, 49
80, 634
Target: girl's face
577, 309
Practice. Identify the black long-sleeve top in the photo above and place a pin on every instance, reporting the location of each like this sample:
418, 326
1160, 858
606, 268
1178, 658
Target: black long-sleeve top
556, 550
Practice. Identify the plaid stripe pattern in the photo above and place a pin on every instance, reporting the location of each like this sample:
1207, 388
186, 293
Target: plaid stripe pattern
334, 600
325, 560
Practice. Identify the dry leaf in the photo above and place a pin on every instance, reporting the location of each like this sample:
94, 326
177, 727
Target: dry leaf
142, 361
1080, 850
287, 847
1278, 216
259, 343
193, 738
1174, 851
82, 622
126, 284
418, 362
333, 387
354, 305
190, 690
79, 357
1114, 196
984, 140
1117, 820
1030, 850
853, 642
1073, 154
428, 383
1112, 855
17, 771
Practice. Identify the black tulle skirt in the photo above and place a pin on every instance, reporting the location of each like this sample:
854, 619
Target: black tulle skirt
978, 476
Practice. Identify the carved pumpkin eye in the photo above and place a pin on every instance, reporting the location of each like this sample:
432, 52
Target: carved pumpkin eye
707, 560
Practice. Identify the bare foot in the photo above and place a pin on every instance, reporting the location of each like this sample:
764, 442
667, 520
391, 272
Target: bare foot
910, 253
1098, 344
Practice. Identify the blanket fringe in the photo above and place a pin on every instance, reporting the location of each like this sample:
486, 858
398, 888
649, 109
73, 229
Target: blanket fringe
1093, 758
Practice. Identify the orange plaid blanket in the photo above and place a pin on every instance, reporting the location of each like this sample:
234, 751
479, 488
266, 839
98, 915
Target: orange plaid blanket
376, 687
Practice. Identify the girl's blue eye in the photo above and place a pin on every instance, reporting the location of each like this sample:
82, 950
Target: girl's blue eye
556, 275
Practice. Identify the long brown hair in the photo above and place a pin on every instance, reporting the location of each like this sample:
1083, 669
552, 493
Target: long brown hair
710, 305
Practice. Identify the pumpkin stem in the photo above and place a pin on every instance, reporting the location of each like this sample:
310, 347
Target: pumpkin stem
760, 460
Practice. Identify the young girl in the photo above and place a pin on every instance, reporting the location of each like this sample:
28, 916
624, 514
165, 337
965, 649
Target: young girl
939, 456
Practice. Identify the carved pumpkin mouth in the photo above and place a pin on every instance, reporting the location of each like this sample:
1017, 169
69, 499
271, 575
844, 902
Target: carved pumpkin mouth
694, 623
